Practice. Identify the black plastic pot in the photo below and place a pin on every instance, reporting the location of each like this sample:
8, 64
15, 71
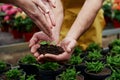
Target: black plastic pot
98, 76
8, 67
50, 74
29, 69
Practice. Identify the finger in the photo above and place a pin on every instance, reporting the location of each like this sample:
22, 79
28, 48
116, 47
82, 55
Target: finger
36, 54
49, 20
40, 58
32, 41
44, 27
41, 5
62, 57
71, 46
34, 48
52, 3
52, 17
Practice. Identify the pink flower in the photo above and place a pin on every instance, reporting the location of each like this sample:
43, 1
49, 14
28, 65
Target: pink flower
6, 18
11, 11
6, 7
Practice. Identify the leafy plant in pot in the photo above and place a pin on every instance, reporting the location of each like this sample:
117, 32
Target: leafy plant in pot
94, 56
4, 66
15, 74
70, 74
77, 62
93, 46
114, 76
115, 42
96, 71
115, 51
49, 70
113, 62
28, 64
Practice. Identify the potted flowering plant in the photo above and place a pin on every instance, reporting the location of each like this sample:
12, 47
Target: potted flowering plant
10, 11
28, 28
116, 12
107, 10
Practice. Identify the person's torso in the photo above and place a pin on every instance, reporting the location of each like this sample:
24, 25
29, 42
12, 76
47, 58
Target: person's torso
73, 3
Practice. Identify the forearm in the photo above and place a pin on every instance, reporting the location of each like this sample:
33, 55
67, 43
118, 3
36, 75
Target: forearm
58, 11
85, 18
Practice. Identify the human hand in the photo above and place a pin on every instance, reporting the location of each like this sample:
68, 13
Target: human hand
36, 39
42, 21
44, 5
68, 45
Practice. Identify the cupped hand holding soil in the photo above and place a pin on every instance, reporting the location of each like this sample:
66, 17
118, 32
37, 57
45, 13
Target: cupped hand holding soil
50, 49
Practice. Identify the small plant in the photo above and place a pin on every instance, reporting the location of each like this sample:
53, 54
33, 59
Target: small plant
93, 46
77, 50
48, 66
113, 61
2, 65
45, 43
95, 67
28, 59
15, 74
75, 60
114, 76
69, 74
115, 50
94, 55
47, 47
30, 77
115, 42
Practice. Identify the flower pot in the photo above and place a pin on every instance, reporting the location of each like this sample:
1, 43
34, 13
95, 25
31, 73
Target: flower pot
28, 36
8, 67
16, 34
29, 69
116, 23
98, 76
81, 67
50, 74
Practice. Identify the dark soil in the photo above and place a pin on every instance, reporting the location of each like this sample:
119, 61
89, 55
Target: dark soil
51, 49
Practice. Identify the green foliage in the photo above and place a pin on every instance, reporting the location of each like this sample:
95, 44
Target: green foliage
14, 74
74, 60
95, 67
30, 77
77, 50
28, 59
94, 55
116, 15
115, 75
107, 10
2, 65
115, 50
45, 42
113, 60
48, 66
25, 25
115, 42
93, 46
69, 74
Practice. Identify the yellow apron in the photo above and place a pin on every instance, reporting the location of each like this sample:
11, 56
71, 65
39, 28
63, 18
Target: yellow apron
93, 34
